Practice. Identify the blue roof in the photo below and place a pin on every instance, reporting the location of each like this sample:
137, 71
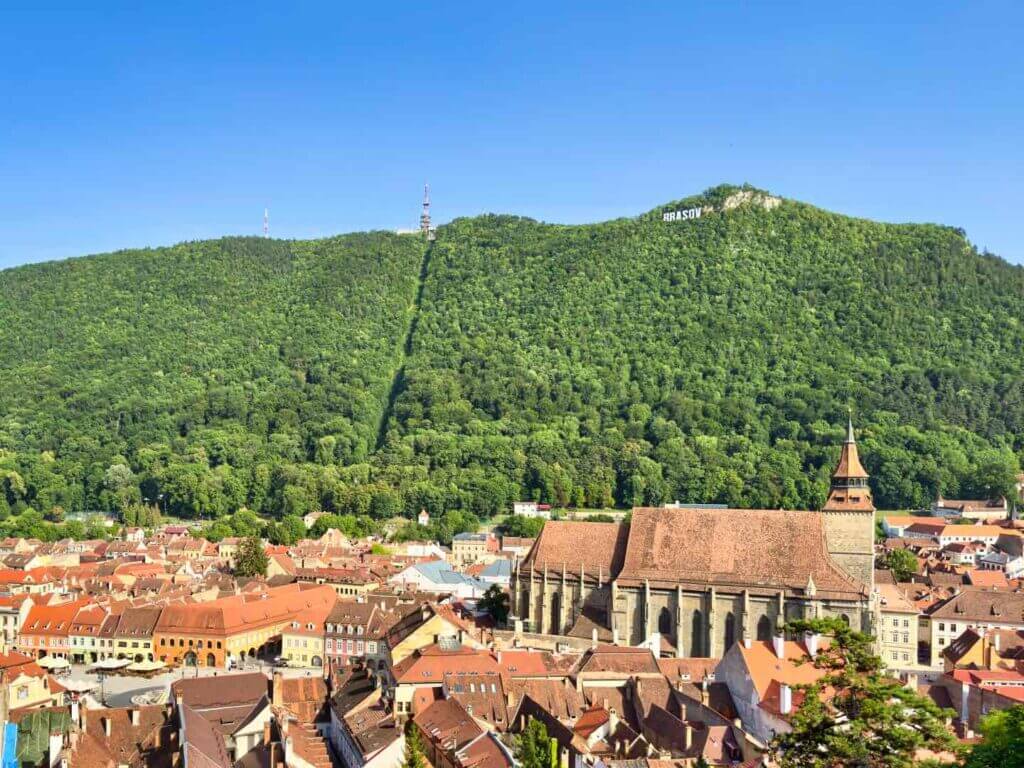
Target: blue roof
499, 569
440, 572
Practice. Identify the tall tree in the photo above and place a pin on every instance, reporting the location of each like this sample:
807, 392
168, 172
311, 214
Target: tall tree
251, 560
495, 602
854, 715
533, 746
902, 563
413, 757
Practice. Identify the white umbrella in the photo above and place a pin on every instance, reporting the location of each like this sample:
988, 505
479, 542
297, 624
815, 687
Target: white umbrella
146, 666
111, 664
76, 685
53, 662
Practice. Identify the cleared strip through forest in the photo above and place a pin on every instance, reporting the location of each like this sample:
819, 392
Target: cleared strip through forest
398, 379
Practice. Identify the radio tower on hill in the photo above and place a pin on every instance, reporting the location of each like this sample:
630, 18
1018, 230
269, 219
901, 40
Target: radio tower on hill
425, 227
266, 222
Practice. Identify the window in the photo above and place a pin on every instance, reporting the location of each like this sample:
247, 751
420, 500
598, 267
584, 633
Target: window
22, 692
371, 646
906, 638
942, 627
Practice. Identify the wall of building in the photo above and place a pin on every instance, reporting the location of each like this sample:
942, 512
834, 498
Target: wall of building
850, 537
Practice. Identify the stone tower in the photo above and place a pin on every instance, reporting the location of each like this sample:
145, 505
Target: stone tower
849, 515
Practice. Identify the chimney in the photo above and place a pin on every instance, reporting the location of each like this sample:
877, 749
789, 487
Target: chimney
613, 721
106, 726
266, 734
136, 719
615, 636
278, 692
746, 642
785, 699
74, 711
687, 736
779, 646
593, 638
812, 641
499, 657
996, 643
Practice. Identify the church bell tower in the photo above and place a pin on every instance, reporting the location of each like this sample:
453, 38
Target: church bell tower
849, 515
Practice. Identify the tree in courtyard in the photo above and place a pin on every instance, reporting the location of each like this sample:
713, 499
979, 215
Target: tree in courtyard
533, 747
495, 602
1002, 744
413, 748
854, 715
251, 560
902, 563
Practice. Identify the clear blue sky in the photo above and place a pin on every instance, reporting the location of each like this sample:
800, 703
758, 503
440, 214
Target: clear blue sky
126, 126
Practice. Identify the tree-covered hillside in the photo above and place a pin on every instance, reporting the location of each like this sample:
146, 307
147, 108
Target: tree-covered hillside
714, 359
210, 372
632, 361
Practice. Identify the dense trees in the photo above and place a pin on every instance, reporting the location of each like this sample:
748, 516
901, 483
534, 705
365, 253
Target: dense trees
629, 362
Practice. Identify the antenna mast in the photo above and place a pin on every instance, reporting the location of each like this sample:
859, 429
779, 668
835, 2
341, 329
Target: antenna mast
266, 222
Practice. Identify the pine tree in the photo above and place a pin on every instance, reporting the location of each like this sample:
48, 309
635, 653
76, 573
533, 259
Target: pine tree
251, 560
854, 714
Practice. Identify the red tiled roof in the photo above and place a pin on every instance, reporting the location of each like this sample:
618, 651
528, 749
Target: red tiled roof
559, 545
770, 549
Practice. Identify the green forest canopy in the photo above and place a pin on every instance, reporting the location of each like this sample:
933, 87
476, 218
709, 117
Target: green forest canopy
634, 361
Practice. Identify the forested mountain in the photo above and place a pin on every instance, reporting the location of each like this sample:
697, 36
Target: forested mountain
632, 361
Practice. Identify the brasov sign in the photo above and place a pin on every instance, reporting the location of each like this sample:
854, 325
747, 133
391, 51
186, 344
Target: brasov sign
689, 213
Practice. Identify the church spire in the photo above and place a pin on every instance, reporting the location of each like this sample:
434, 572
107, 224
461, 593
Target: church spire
850, 488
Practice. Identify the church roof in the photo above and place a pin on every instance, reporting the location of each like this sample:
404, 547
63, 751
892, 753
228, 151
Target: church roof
756, 549
596, 548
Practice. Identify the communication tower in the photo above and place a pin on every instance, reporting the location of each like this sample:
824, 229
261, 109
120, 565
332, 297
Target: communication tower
425, 227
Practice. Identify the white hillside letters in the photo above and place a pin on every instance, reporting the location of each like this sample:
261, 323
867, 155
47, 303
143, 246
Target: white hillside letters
688, 213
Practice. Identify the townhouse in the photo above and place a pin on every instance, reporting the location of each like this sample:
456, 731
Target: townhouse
47, 629
14, 610
971, 608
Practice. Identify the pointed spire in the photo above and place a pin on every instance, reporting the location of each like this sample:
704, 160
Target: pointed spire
849, 426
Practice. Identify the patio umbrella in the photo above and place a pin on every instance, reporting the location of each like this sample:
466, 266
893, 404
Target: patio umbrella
53, 662
146, 666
